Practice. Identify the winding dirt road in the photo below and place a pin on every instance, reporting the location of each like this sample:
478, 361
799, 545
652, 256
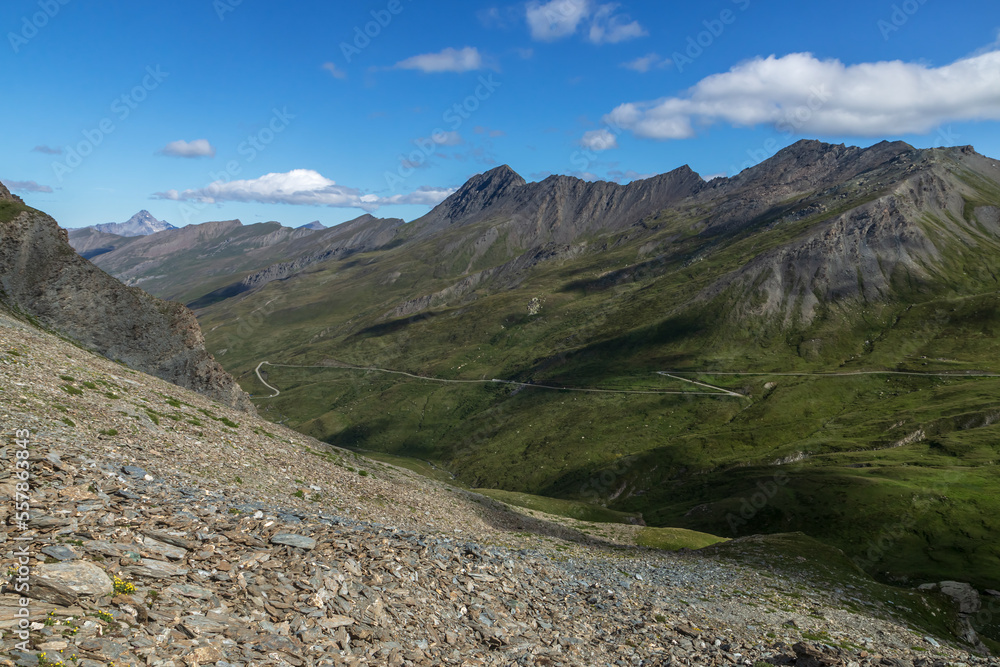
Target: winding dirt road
717, 391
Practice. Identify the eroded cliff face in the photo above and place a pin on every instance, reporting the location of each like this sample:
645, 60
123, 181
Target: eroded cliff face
42, 276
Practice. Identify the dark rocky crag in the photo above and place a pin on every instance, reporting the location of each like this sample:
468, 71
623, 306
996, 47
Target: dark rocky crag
41, 276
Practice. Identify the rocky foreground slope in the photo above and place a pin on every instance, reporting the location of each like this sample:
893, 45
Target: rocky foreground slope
42, 277
168, 529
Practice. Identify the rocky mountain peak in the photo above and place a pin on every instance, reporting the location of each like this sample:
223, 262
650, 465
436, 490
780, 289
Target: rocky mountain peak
481, 192
141, 224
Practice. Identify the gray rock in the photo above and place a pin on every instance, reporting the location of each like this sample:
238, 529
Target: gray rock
300, 541
135, 472
168, 551
156, 569
64, 583
60, 552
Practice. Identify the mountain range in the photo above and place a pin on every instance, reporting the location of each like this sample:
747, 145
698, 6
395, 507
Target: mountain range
819, 329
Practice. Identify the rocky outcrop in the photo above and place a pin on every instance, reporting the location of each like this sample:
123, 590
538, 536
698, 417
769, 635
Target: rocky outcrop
5, 194
882, 215
560, 209
967, 601
43, 278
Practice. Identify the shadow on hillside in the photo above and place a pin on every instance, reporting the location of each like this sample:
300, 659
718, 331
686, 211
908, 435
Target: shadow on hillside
613, 357
221, 294
505, 519
393, 326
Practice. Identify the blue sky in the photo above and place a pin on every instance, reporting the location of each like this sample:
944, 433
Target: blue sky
217, 109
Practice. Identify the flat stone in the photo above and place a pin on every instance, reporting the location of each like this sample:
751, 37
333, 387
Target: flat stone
335, 621
38, 520
63, 583
60, 552
159, 548
195, 626
277, 643
177, 540
114, 550
156, 569
96, 506
300, 541
135, 472
190, 591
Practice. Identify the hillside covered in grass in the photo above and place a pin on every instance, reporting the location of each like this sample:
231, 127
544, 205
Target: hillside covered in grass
837, 305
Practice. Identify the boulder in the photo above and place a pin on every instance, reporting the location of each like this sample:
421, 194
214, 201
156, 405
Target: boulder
64, 583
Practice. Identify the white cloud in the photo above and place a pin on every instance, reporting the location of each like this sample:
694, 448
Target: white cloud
300, 187
335, 71
449, 60
599, 140
26, 186
196, 148
558, 19
425, 196
801, 94
646, 63
610, 29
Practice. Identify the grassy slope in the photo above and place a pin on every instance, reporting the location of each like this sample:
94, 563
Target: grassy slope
679, 460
